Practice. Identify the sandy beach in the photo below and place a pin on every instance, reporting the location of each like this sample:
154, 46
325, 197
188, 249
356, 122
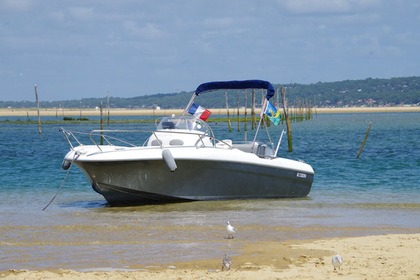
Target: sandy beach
393, 256
148, 112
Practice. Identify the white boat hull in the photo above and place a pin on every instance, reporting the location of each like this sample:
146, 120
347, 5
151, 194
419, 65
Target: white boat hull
141, 176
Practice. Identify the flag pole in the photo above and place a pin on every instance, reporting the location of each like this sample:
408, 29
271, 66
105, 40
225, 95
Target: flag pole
189, 104
263, 107
278, 143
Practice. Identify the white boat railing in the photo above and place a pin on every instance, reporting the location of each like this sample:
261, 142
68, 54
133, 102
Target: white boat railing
70, 137
101, 138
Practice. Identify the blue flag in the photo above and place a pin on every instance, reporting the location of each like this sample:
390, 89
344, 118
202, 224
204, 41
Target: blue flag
272, 113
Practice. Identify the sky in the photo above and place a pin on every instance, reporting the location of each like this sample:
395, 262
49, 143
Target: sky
74, 49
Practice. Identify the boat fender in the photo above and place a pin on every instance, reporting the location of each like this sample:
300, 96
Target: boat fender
65, 164
169, 160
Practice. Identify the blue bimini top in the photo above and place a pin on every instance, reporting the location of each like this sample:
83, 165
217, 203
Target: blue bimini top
247, 84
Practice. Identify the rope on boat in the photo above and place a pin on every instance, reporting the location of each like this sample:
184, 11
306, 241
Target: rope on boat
62, 181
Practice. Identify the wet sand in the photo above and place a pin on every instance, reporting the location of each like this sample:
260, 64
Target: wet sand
148, 112
393, 256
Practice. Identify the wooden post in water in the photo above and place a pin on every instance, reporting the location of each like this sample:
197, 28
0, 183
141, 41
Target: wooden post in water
37, 108
101, 122
237, 112
228, 115
107, 103
364, 141
253, 119
288, 125
308, 110
80, 115
245, 114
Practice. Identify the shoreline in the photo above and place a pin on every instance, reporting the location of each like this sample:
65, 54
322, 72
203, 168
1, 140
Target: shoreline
389, 256
21, 112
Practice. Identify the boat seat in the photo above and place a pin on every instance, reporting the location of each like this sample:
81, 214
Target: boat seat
176, 142
246, 147
156, 143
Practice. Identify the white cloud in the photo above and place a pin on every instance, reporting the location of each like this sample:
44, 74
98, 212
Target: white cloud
81, 13
219, 22
15, 5
149, 30
327, 6
57, 15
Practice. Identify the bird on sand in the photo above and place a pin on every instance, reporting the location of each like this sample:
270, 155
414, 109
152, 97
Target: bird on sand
230, 229
226, 263
337, 261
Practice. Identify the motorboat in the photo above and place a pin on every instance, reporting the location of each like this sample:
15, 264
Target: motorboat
182, 160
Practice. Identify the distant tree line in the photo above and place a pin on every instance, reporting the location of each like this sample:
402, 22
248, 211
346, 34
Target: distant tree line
368, 92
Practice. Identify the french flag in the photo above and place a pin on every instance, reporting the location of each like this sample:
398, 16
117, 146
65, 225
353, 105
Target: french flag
199, 112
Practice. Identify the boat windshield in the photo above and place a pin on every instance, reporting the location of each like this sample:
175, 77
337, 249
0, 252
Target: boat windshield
189, 123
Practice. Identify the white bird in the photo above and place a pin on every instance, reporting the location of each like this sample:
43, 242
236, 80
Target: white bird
230, 229
226, 263
337, 261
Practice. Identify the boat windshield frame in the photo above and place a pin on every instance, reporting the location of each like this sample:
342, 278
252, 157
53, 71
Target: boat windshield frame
184, 123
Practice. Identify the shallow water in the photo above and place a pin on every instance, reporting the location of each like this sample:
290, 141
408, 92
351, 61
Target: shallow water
375, 194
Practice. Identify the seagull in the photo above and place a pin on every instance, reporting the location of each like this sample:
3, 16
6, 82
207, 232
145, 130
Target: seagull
337, 261
230, 229
226, 263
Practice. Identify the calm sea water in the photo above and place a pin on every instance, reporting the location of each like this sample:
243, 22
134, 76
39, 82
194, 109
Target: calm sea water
375, 194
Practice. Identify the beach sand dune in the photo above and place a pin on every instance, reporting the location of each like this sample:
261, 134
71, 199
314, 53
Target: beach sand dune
394, 256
